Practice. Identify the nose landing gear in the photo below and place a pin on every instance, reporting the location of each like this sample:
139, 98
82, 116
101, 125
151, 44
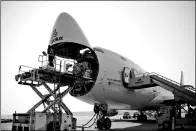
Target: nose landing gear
103, 122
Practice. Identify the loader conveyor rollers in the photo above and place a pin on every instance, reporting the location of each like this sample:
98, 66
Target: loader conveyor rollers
49, 76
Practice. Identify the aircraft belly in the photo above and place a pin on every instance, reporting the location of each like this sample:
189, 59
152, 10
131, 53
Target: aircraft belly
119, 98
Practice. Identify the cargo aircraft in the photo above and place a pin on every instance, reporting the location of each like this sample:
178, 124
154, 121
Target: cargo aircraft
104, 74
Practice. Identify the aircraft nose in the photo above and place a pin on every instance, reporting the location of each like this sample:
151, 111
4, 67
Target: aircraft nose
66, 29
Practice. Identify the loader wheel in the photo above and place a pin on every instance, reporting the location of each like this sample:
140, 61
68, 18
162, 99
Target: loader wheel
107, 123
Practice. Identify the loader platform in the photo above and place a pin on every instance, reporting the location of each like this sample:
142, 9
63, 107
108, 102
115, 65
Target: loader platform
55, 115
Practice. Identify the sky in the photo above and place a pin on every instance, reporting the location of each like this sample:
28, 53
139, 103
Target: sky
157, 35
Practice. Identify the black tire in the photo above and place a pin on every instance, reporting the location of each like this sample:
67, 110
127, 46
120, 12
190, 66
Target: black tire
142, 118
99, 125
145, 117
107, 123
138, 118
50, 126
166, 125
96, 109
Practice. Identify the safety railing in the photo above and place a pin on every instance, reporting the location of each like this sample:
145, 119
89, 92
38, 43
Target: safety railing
25, 72
43, 60
142, 74
188, 87
153, 73
61, 65
23, 69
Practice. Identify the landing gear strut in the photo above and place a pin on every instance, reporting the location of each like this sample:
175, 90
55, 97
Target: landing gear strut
103, 121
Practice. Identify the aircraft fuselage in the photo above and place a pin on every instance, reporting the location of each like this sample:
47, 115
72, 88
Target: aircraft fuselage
106, 85
109, 86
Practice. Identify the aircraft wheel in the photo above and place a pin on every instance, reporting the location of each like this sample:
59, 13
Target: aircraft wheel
99, 124
96, 109
107, 123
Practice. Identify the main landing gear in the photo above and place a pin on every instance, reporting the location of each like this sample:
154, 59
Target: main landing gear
103, 122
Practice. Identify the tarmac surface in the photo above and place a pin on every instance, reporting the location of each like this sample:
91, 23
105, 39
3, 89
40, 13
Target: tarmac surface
118, 124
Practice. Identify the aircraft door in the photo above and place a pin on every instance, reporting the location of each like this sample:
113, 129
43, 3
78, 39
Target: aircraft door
132, 73
126, 75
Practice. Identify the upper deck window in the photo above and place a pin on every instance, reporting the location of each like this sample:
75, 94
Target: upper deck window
98, 49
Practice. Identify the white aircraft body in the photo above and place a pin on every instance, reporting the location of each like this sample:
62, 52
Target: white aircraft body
106, 68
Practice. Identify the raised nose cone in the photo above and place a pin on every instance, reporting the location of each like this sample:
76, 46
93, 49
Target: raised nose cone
66, 29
